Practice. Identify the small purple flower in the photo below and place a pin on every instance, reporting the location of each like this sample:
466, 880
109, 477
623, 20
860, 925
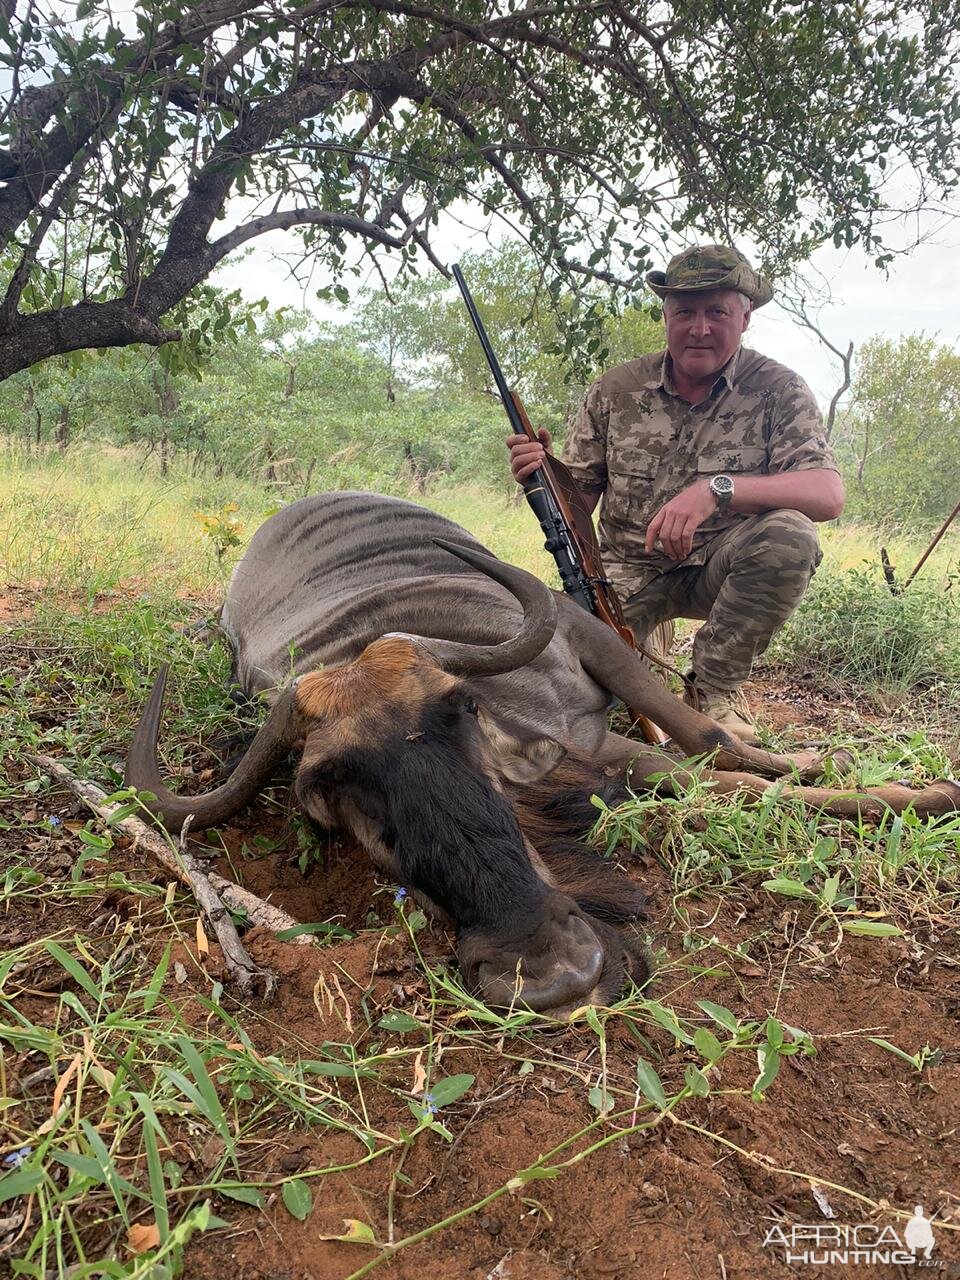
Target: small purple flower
14, 1159
54, 821
399, 896
430, 1108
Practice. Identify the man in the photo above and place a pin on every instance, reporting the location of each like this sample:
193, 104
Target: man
712, 465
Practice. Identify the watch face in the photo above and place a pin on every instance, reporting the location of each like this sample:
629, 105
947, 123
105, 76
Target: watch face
721, 485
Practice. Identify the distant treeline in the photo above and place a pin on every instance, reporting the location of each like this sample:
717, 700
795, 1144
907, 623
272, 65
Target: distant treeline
400, 397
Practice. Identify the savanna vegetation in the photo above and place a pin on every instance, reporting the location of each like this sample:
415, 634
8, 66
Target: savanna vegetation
796, 1059
149, 1115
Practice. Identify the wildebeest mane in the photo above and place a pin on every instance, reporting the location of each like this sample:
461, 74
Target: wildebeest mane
454, 836
556, 814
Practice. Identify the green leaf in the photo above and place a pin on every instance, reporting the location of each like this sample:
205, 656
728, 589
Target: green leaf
449, 1089
707, 1045
774, 1032
668, 1020
243, 1192
399, 1022
600, 1100
696, 1081
86, 1166
300, 930
768, 1060
298, 1199
892, 1048
723, 1017
152, 992
790, 888
158, 1192
871, 928
74, 968
19, 1183
650, 1084
119, 1186
210, 1107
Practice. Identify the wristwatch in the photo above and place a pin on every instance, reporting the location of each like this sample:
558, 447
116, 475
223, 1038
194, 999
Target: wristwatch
722, 489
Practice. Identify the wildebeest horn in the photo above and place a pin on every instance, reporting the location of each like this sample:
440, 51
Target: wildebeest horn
273, 741
536, 631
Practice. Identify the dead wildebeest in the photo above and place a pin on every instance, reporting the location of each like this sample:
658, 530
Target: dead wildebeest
430, 689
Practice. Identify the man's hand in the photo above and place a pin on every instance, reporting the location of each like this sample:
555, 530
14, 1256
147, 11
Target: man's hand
678, 520
526, 455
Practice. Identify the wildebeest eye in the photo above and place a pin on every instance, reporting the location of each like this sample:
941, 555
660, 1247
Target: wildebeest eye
470, 706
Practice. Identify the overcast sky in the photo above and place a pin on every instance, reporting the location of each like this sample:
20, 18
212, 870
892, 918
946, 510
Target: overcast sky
921, 292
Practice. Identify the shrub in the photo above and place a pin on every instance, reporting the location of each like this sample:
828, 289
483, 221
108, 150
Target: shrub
850, 627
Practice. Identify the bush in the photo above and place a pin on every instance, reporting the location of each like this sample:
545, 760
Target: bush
851, 628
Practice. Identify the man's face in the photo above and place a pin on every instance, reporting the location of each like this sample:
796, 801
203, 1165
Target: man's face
703, 330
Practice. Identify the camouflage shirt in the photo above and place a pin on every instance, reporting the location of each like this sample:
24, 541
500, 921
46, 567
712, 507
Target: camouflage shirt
639, 444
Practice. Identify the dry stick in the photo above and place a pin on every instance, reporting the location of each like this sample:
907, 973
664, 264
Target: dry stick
939, 534
246, 973
236, 898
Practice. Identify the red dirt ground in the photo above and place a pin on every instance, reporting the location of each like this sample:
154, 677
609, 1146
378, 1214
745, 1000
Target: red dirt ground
671, 1202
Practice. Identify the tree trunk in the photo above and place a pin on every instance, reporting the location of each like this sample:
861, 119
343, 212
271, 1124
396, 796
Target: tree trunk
862, 460
168, 401
416, 469
63, 428
30, 406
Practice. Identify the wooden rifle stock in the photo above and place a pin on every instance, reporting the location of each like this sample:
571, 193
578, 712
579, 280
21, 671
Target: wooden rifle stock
565, 491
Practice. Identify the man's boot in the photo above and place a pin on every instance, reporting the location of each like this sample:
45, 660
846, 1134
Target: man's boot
728, 707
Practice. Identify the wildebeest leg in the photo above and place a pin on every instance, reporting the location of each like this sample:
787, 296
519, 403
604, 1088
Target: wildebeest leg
646, 765
614, 666
936, 800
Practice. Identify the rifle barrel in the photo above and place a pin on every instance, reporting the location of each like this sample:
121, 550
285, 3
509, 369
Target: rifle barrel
537, 485
492, 360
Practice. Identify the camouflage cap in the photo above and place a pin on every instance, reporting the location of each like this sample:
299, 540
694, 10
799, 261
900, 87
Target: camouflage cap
711, 266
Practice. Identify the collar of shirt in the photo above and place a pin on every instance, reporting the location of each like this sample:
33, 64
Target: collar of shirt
664, 379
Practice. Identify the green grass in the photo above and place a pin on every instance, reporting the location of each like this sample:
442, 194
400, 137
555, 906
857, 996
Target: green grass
92, 524
851, 629
131, 1070
858, 876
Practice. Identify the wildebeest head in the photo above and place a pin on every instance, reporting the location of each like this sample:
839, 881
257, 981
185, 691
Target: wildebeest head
392, 750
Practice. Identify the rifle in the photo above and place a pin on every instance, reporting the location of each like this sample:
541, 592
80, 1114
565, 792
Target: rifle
557, 502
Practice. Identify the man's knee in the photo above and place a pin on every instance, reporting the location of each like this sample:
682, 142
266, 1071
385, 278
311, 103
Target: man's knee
786, 539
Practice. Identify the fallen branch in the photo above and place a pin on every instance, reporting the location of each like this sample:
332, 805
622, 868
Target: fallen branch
251, 978
206, 887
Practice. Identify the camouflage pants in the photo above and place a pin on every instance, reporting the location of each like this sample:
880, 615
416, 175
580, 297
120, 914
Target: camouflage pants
754, 577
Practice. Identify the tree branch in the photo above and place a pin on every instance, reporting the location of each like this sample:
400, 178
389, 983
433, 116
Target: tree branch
237, 898
282, 220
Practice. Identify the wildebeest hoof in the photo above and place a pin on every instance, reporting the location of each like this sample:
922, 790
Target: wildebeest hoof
552, 966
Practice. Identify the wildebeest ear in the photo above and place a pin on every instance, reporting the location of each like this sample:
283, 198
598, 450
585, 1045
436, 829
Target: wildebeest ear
520, 756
